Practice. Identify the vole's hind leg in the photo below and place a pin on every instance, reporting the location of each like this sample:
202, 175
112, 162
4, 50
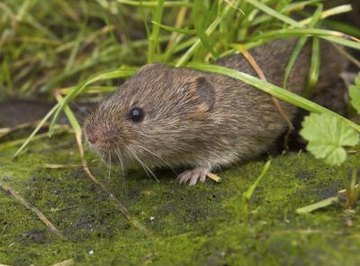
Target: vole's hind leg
194, 175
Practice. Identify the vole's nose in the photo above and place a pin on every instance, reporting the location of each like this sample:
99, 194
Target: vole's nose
92, 135
100, 137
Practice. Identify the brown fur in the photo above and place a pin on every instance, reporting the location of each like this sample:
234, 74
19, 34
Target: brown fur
200, 119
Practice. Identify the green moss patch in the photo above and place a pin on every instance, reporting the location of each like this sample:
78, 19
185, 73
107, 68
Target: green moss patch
200, 225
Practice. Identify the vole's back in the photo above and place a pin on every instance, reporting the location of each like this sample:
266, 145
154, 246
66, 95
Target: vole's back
251, 113
273, 59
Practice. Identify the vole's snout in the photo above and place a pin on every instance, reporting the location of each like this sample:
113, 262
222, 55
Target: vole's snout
92, 136
99, 138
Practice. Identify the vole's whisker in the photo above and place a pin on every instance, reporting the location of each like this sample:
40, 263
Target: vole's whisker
146, 168
109, 165
157, 156
141, 163
119, 156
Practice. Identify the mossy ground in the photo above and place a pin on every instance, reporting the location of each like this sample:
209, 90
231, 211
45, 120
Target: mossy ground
200, 225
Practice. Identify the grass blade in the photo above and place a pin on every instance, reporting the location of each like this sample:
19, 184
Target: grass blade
119, 73
154, 38
333, 36
197, 43
328, 13
314, 69
155, 3
197, 13
248, 194
250, 191
273, 13
318, 205
295, 54
173, 29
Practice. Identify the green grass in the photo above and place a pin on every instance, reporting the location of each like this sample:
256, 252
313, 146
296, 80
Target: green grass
88, 46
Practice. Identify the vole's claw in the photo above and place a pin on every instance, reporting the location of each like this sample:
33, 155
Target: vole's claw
193, 176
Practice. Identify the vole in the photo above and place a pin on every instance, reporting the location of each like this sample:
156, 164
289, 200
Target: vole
178, 117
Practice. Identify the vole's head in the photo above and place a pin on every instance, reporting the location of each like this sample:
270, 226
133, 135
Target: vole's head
155, 116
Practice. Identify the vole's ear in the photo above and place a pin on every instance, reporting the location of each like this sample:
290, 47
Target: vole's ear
203, 92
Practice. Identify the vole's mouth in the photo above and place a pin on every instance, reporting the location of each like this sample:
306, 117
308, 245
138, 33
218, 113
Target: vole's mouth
100, 145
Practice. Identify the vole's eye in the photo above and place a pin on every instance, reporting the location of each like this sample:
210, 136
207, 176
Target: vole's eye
136, 114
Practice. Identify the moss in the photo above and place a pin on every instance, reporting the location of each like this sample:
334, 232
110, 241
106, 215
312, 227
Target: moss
201, 225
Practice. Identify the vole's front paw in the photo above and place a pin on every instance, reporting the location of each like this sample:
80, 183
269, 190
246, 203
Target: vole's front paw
193, 176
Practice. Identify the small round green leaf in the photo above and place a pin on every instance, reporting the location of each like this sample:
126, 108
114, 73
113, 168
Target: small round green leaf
327, 135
